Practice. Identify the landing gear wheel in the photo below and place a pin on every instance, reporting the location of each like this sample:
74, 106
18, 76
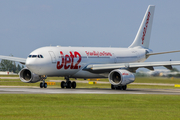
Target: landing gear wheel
119, 88
62, 84
45, 85
124, 87
112, 87
41, 85
68, 84
73, 84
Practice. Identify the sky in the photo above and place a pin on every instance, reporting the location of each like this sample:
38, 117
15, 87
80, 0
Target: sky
26, 25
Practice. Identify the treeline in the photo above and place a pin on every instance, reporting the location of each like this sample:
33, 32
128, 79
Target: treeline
10, 66
173, 73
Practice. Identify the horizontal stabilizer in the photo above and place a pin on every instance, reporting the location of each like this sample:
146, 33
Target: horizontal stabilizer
148, 54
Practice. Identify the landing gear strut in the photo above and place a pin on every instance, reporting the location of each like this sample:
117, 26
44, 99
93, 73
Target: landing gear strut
68, 84
118, 87
43, 84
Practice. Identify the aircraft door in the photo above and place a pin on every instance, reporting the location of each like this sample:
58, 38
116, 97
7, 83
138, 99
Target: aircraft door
53, 57
114, 58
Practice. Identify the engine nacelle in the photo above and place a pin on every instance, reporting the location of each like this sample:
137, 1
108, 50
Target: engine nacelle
121, 77
28, 77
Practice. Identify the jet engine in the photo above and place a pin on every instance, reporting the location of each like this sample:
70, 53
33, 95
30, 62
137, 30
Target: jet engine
28, 77
120, 77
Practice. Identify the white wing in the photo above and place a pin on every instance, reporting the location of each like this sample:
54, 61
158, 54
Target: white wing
21, 60
130, 66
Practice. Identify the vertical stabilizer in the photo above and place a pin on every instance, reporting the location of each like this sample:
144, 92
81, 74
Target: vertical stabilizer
143, 35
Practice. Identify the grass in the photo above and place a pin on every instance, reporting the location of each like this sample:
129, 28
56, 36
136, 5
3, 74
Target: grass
89, 106
157, 80
151, 87
9, 75
17, 82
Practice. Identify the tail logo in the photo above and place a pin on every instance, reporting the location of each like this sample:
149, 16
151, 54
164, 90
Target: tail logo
145, 28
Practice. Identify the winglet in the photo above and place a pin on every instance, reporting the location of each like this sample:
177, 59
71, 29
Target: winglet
143, 35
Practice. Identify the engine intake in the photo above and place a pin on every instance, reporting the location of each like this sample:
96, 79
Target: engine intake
121, 77
28, 77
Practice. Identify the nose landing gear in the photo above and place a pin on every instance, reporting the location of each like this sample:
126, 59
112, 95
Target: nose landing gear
43, 84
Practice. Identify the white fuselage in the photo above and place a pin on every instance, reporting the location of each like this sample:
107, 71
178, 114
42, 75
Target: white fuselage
69, 61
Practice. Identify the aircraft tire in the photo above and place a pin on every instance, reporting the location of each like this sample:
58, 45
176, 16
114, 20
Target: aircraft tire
45, 85
112, 87
68, 84
41, 85
62, 84
73, 84
119, 88
124, 87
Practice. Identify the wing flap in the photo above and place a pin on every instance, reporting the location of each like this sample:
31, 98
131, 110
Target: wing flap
168, 67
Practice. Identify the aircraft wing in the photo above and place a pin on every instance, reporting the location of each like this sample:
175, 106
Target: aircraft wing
98, 68
17, 59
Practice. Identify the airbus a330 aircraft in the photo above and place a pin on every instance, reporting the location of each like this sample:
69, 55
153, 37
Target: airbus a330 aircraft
118, 64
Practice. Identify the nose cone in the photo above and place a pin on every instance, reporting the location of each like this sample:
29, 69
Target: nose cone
29, 62
31, 65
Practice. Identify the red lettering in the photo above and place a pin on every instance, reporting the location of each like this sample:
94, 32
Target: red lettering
125, 74
97, 53
109, 54
101, 54
145, 28
59, 66
79, 60
61, 53
68, 61
72, 58
91, 54
87, 53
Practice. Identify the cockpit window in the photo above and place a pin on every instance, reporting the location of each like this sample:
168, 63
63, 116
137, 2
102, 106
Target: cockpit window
41, 56
35, 56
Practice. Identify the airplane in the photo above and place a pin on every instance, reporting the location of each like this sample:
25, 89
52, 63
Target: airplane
116, 64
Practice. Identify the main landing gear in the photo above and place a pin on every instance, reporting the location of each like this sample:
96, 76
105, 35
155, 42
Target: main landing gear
114, 87
68, 84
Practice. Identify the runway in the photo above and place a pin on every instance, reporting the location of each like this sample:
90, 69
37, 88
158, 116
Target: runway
12, 90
